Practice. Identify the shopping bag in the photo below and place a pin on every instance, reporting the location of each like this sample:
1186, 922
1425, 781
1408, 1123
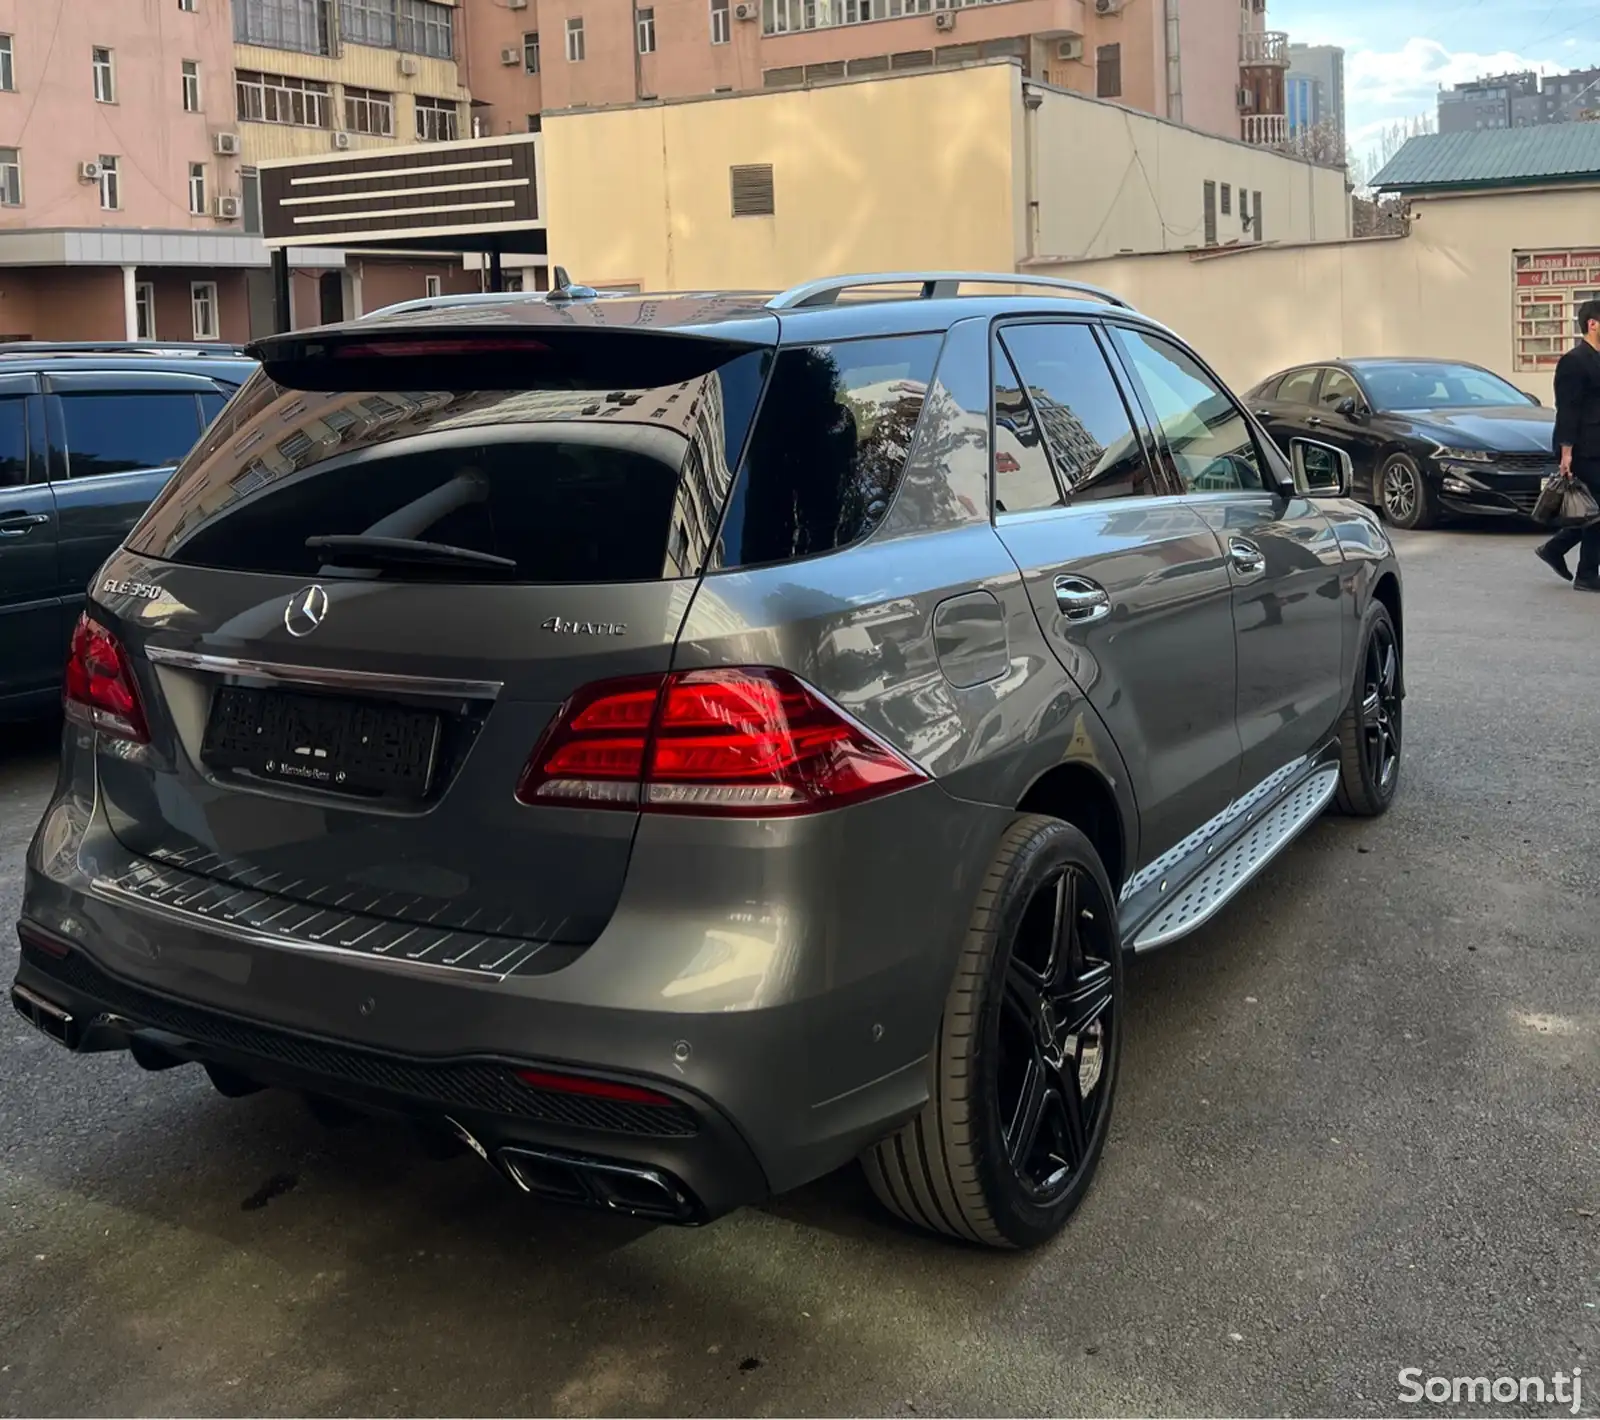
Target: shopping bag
1565, 503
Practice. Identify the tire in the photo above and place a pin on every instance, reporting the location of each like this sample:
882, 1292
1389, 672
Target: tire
952, 1169
1371, 730
1404, 495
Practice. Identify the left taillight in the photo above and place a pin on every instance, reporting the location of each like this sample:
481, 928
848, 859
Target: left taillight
100, 690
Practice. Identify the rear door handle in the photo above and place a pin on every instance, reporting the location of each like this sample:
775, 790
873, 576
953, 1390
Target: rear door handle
1082, 601
21, 524
1245, 555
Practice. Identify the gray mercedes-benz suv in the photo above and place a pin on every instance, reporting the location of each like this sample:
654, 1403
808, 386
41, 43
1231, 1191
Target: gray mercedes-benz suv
676, 745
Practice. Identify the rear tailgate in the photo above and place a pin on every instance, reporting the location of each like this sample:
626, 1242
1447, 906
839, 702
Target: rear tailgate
350, 733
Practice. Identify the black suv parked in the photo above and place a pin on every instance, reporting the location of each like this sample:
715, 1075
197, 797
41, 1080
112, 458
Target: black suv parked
89, 434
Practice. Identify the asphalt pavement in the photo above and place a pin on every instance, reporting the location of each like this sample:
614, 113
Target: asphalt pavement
1358, 1131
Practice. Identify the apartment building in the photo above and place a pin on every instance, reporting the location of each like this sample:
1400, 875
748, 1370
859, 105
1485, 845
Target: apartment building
1209, 63
1522, 100
118, 215
1316, 91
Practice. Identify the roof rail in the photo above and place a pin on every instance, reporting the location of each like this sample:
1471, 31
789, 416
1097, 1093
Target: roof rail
936, 285
186, 348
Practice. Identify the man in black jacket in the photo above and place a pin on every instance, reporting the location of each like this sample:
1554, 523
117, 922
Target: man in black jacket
1577, 441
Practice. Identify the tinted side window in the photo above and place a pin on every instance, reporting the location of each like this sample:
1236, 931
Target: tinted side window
1086, 425
828, 447
116, 433
13, 442
1023, 480
1336, 385
1210, 440
1298, 387
210, 406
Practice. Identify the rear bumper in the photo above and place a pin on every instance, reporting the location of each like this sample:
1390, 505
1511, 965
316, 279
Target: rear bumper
789, 1030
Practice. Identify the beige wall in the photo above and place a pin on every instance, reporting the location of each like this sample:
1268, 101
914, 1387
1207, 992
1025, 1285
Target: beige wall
1111, 180
662, 217
54, 122
686, 64
358, 65
1445, 290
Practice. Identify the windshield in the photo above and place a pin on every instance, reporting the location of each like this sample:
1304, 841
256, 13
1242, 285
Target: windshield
1417, 385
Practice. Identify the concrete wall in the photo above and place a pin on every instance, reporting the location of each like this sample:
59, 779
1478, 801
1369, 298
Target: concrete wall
1111, 180
53, 120
934, 186
1445, 290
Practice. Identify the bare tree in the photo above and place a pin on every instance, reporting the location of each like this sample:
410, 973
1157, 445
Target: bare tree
1318, 143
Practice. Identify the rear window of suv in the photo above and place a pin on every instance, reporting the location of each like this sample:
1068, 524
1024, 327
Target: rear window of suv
563, 486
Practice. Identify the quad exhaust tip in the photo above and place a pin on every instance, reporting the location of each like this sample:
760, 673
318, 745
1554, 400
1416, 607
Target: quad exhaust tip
45, 1016
632, 1189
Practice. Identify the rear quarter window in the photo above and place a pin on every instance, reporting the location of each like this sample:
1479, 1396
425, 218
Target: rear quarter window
828, 447
119, 433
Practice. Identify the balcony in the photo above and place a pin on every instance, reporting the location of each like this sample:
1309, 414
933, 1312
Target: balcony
1268, 130
1264, 48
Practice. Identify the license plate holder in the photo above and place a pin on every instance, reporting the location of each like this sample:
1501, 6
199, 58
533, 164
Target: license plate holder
321, 742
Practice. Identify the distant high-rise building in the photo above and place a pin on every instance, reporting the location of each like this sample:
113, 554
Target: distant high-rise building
1521, 100
1319, 68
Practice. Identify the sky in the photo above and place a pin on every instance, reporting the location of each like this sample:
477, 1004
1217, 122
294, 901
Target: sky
1398, 53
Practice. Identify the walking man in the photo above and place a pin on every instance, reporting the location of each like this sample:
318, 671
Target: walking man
1577, 442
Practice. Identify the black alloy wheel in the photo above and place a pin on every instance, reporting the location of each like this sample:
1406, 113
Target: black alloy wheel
1055, 1032
1025, 1067
1371, 732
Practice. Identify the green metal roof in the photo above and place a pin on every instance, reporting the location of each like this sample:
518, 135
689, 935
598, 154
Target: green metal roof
1507, 157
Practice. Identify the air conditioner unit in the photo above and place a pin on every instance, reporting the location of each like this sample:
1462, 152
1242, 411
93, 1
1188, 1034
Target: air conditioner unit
229, 209
1109, 7
945, 20
746, 10
1247, 99
88, 172
516, 4
227, 144
1070, 48
341, 140
510, 55
409, 66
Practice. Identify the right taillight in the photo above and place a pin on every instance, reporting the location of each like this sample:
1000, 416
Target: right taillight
748, 741
100, 690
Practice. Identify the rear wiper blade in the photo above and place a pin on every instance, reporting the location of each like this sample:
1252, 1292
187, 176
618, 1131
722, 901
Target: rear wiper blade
361, 550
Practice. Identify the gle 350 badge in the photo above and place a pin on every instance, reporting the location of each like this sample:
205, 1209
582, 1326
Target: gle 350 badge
148, 591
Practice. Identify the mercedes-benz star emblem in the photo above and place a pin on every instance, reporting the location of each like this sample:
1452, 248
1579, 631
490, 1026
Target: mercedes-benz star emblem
305, 611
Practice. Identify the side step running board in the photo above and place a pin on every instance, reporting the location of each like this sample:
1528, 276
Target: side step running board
1220, 879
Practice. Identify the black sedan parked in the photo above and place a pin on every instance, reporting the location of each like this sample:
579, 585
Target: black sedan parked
1425, 436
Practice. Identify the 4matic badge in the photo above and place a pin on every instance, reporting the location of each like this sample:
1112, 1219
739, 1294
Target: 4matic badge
562, 627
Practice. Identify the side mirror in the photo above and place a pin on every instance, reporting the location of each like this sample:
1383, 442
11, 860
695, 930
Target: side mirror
1350, 408
1533, 399
1324, 471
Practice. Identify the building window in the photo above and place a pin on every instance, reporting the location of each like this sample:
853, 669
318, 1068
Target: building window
1227, 199
8, 72
197, 189
278, 98
105, 78
144, 311
1255, 206
1108, 71
535, 122
110, 183
191, 86
1210, 213
720, 29
369, 111
283, 24
752, 190
203, 304
432, 286
530, 52
575, 40
367, 22
10, 177
422, 27
647, 29
436, 120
